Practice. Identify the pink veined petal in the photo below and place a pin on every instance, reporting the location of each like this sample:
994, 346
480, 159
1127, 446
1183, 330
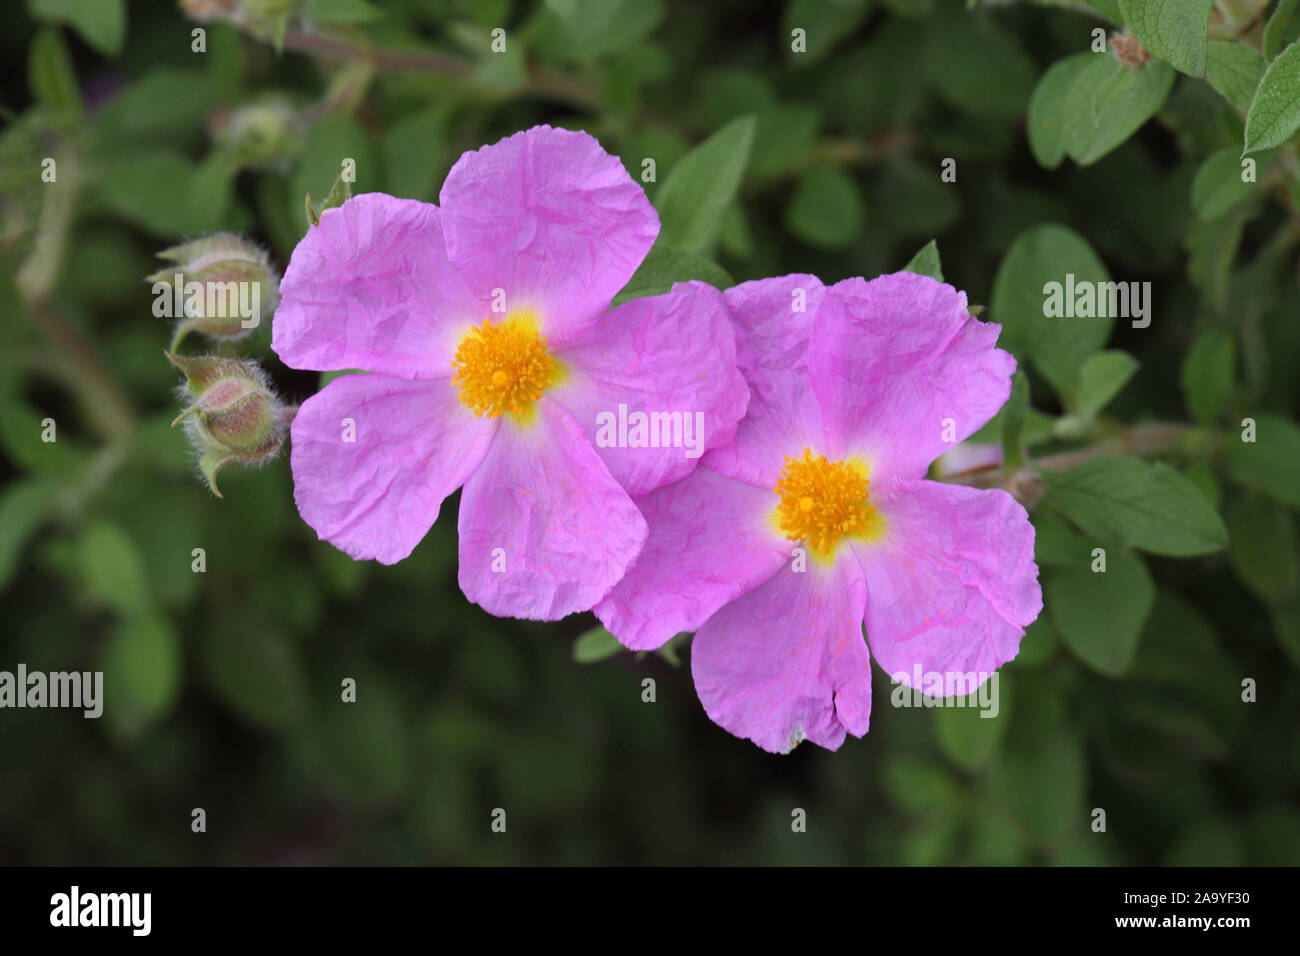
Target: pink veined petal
544, 507
373, 457
787, 662
551, 219
370, 288
774, 319
952, 584
669, 357
711, 540
903, 371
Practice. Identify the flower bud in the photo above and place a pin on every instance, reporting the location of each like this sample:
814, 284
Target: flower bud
265, 19
220, 286
261, 134
234, 415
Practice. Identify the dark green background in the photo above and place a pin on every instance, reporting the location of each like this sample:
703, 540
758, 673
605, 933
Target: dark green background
224, 687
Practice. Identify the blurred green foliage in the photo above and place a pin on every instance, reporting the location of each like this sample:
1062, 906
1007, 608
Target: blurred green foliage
223, 686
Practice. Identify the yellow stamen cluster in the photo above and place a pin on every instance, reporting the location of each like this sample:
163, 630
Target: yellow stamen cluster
502, 367
822, 501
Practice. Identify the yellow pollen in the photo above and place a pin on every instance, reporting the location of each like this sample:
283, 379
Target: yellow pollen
823, 501
502, 367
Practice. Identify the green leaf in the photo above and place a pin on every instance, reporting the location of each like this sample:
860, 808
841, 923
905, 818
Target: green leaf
1286, 625
1058, 346
926, 262
1057, 542
910, 8
702, 184
1234, 70
112, 569
1039, 643
968, 735
1212, 246
142, 673
1100, 614
1275, 29
101, 23
1275, 111
1047, 120
322, 12
151, 190
1101, 379
1263, 551
1177, 31
50, 74
1272, 461
824, 25
826, 208
1108, 9
595, 645
1139, 504
22, 433
1043, 782
24, 505
586, 30
665, 266
977, 66
408, 147
1013, 422
1207, 374
257, 673
920, 785
782, 134
360, 751
1218, 185
1109, 102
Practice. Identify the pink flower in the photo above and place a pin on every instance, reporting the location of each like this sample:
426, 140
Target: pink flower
486, 325
818, 518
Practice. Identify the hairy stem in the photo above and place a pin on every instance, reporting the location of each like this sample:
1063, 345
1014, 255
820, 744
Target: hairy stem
1154, 439
104, 403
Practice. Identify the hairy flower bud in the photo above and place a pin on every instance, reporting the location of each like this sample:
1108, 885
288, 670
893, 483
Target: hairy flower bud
233, 415
264, 133
220, 286
265, 19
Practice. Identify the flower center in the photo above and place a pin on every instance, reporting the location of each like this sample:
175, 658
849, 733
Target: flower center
823, 501
502, 367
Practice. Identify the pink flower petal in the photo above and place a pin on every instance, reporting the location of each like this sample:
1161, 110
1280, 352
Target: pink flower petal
953, 583
711, 540
671, 355
550, 218
377, 495
774, 318
896, 362
370, 288
787, 662
544, 509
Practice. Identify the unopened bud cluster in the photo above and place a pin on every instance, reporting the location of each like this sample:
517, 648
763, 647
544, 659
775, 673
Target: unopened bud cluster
233, 415
220, 286
263, 133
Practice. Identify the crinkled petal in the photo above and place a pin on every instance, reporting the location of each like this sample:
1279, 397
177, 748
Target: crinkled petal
373, 457
952, 584
774, 319
787, 662
670, 358
903, 371
370, 288
545, 530
711, 540
551, 219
